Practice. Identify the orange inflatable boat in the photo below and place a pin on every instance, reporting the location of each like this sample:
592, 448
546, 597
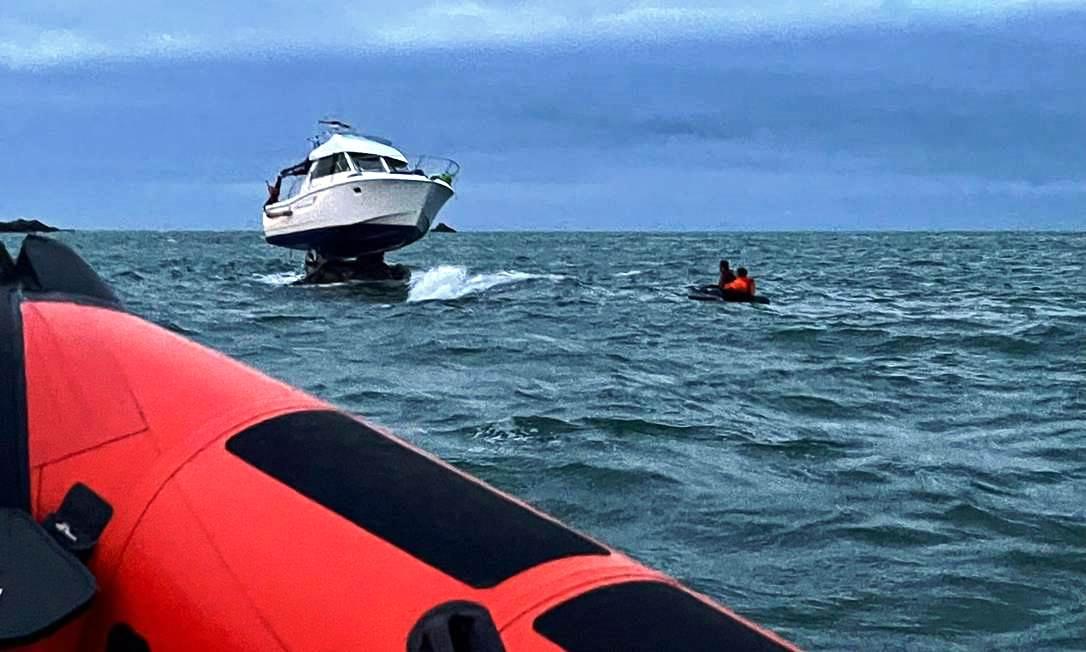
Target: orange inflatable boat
157, 495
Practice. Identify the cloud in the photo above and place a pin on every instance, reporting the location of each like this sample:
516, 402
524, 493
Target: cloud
49, 47
33, 34
970, 124
26, 47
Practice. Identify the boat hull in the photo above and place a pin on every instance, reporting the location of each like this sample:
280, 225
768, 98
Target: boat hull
358, 216
350, 240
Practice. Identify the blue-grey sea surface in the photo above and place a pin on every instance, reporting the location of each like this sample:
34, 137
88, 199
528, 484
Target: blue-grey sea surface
890, 455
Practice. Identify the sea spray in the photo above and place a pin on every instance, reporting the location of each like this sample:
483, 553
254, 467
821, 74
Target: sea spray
446, 282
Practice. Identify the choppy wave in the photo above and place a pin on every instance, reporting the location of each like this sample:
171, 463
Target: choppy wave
447, 282
890, 458
278, 278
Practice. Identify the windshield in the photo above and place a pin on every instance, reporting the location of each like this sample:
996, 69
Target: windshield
333, 164
368, 163
323, 167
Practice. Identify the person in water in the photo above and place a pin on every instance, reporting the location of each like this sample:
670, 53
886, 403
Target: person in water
742, 282
726, 275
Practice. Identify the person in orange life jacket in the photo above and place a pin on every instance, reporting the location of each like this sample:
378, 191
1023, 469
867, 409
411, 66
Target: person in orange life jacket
742, 282
726, 275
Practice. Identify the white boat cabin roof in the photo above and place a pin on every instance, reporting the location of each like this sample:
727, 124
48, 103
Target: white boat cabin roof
356, 145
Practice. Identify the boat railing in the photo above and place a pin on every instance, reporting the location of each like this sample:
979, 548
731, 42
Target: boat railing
438, 168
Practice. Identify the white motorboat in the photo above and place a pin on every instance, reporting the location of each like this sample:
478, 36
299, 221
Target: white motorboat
358, 197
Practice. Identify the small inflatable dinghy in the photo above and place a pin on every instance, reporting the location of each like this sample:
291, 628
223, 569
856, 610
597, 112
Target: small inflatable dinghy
157, 495
714, 293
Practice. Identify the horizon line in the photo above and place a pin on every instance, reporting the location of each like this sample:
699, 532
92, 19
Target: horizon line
648, 231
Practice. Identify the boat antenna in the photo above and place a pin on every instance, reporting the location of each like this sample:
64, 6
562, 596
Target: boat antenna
330, 127
335, 125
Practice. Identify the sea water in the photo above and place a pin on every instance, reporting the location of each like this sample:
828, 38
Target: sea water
890, 455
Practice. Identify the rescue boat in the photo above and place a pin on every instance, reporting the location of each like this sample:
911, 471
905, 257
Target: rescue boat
157, 495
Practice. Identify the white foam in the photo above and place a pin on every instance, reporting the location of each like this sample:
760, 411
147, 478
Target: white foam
446, 282
632, 272
278, 278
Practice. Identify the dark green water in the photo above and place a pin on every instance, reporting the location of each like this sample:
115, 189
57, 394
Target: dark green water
892, 455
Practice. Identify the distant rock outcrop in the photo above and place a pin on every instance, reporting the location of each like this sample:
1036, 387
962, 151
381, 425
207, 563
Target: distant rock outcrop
443, 228
26, 226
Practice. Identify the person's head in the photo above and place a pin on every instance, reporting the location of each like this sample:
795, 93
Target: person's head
724, 266
741, 272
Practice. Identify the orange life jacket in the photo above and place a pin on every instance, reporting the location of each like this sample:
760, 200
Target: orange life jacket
742, 284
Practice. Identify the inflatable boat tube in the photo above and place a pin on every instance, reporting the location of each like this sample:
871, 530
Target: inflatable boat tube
714, 293
157, 495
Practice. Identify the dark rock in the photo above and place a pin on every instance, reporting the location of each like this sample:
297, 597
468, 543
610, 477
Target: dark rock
320, 270
26, 226
443, 228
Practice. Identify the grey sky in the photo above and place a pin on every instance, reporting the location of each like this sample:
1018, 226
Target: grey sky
741, 115
64, 31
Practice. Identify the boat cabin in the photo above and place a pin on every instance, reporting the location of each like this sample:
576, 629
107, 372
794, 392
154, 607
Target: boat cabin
338, 157
343, 154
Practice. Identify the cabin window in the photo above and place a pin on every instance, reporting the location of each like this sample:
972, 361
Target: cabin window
367, 163
323, 167
333, 164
